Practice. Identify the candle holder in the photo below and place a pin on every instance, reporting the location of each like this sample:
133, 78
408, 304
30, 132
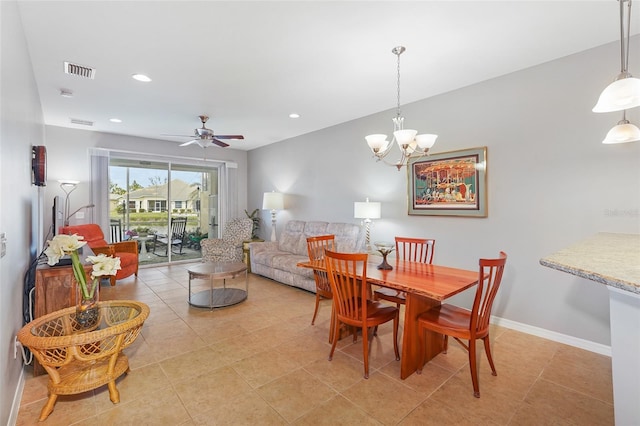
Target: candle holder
384, 249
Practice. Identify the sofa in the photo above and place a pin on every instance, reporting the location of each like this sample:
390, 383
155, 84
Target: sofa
278, 259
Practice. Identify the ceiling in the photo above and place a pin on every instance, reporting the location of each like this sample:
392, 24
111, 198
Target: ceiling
248, 65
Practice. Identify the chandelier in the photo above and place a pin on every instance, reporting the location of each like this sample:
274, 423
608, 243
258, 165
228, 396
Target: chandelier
624, 92
411, 144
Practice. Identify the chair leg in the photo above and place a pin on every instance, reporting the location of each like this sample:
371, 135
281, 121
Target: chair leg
473, 364
445, 346
421, 349
332, 334
335, 338
396, 321
487, 349
315, 312
365, 350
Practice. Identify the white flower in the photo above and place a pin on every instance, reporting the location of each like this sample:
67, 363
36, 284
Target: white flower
61, 245
104, 265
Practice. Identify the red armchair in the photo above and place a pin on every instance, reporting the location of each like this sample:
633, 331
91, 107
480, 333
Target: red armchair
127, 251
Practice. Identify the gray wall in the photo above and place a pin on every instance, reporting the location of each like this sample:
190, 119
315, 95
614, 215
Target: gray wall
551, 183
22, 126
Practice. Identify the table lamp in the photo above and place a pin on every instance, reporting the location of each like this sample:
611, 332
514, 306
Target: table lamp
273, 201
367, 211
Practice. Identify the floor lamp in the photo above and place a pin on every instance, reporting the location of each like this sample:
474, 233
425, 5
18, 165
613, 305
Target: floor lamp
68, 186
367, 211
273, 201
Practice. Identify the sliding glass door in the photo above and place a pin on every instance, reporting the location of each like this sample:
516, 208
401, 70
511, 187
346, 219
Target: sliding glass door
167, 207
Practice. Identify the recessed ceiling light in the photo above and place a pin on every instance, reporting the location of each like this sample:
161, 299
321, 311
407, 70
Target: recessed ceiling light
115, 120
141, 77
294, 115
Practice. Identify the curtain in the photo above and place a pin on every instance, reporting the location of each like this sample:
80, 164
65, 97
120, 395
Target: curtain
99, 190
228, 190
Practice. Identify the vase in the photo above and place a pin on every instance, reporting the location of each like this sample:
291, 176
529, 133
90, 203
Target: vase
384, 265
86, 309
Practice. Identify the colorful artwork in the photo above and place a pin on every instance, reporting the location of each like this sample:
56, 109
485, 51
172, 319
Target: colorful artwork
449, 184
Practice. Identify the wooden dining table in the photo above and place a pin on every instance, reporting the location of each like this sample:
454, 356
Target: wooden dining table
426, 286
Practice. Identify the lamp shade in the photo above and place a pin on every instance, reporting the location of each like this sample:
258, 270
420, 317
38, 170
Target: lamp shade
273, 201
366, 210
623, 93
622, 133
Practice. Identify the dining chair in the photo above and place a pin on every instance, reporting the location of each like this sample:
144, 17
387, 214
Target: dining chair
316, 247
351, 304
464, 324
415, 250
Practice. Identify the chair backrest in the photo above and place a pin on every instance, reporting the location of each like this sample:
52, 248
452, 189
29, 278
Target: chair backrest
489, 279
91, 232
237, 230
316, 247
349, 293
415, 249
178, 227
115, 230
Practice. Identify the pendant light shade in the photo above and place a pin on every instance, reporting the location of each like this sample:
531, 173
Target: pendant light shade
622, 94
622, 133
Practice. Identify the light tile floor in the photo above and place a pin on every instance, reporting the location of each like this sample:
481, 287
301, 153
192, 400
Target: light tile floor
262, 363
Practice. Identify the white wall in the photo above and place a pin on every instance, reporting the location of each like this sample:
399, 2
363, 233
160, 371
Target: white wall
67, 151
21, 127
551, 182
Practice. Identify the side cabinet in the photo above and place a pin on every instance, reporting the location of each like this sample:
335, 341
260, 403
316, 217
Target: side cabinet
55, 289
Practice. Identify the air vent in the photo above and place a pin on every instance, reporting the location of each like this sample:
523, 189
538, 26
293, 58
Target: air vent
81, 122
79, 70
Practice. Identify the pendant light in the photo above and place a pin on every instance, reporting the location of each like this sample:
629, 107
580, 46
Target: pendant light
624, 92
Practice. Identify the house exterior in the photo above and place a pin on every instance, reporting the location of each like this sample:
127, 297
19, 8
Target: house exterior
185, 198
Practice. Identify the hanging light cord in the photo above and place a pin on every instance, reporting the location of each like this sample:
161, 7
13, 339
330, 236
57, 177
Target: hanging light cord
624, 50
398, 52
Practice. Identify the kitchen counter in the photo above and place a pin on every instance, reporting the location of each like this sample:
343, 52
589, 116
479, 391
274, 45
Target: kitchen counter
613, 260
607, 258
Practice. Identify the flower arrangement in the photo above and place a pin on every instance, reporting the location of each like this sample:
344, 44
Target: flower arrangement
103, 265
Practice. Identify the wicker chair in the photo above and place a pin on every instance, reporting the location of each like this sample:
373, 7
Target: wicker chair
229, 247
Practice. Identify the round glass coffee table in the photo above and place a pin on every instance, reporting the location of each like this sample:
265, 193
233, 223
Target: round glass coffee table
221, 296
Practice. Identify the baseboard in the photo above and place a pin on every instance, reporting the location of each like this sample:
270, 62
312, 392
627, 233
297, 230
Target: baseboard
552, 335
17, 398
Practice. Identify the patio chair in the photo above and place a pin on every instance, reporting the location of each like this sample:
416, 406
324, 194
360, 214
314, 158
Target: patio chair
175, 239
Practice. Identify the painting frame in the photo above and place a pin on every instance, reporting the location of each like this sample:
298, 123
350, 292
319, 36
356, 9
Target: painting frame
452, 183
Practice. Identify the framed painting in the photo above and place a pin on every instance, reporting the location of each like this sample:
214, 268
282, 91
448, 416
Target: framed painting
449, 183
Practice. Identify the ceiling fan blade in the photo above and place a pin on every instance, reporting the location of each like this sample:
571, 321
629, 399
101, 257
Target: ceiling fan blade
190, 142
178, 136
219, 143
229, 136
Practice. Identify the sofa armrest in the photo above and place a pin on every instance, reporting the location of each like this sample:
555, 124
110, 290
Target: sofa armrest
262, 246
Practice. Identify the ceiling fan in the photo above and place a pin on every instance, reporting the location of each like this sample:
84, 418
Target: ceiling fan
206, 138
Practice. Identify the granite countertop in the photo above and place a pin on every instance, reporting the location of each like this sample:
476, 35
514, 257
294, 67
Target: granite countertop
607, 258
